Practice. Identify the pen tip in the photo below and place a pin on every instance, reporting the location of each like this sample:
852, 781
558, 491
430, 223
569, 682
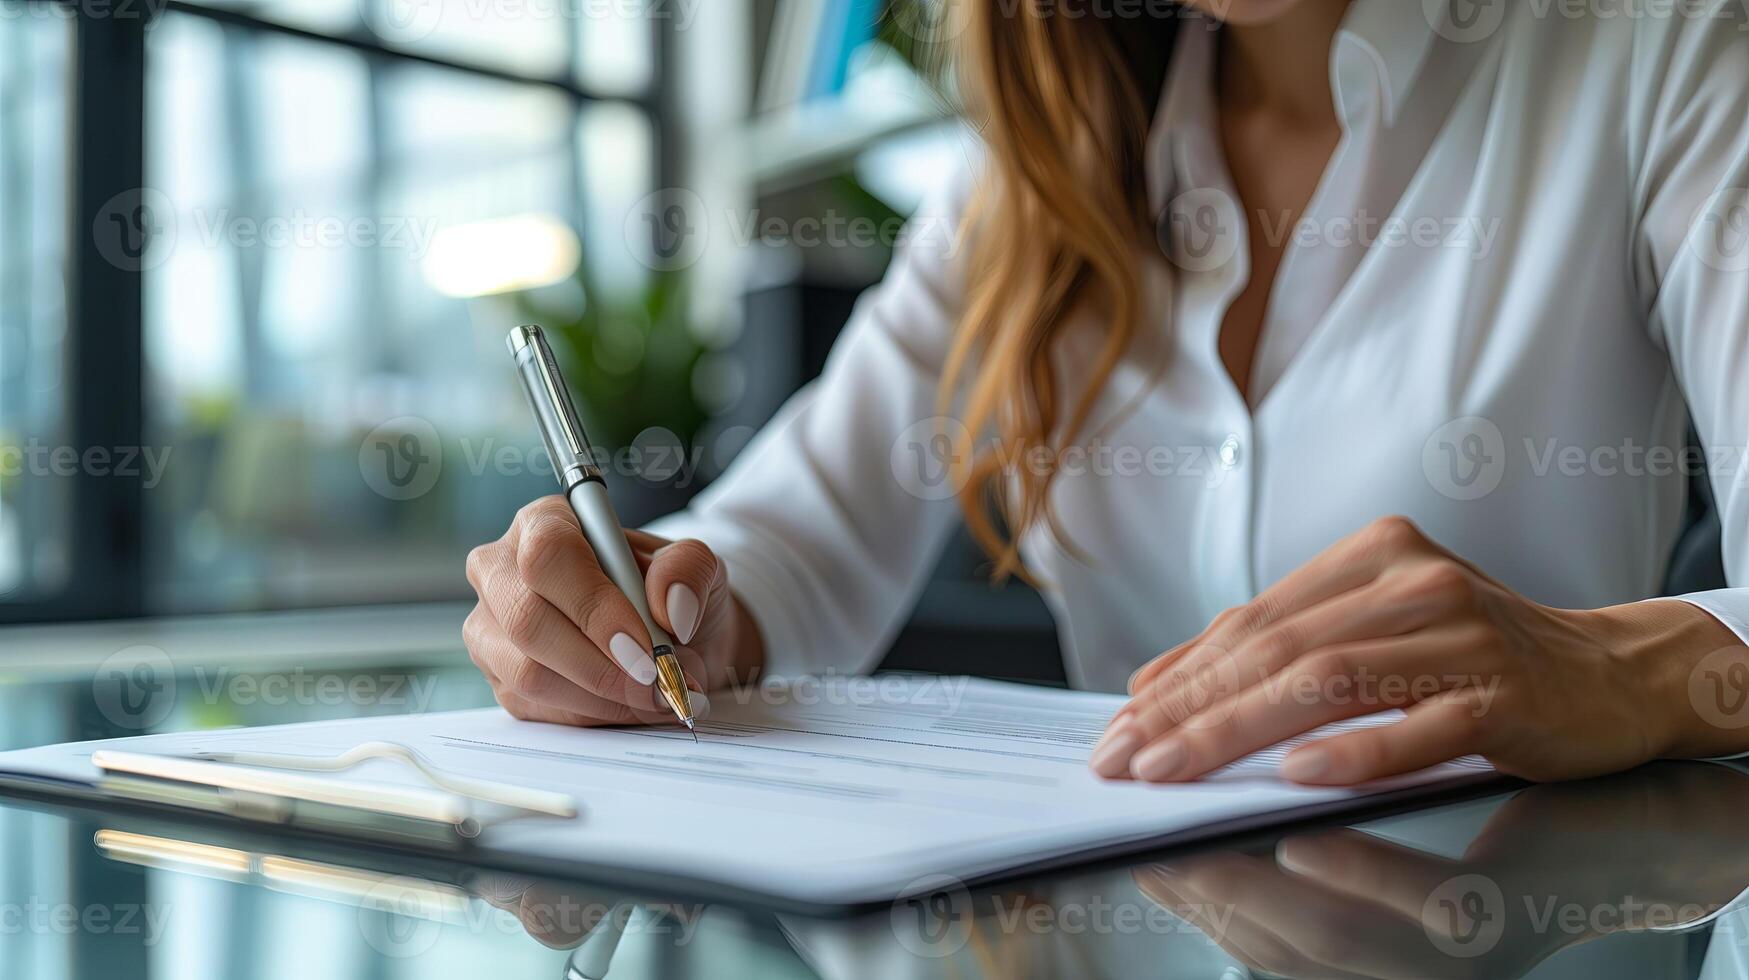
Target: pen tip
691, 727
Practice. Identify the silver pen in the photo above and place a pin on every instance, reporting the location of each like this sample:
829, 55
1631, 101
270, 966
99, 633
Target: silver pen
584, 487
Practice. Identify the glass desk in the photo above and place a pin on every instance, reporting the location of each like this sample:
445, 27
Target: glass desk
1633, 876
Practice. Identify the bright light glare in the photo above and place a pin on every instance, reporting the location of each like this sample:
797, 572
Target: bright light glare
503, 256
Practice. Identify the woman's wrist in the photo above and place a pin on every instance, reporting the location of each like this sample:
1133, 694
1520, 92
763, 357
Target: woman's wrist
1693, 670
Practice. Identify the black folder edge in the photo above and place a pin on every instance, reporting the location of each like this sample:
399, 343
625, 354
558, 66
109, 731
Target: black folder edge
440, 863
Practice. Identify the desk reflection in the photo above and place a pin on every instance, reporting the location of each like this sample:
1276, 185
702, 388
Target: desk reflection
1657, 851
1637, 875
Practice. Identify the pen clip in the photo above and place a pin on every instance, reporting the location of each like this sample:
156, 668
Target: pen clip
554, 412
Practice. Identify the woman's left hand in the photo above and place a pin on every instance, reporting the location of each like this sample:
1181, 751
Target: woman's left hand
1388, 619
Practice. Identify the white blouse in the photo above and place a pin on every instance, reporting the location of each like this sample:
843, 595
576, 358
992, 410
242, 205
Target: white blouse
1527, 262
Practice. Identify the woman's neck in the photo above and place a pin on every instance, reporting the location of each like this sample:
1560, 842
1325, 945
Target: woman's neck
1282, 68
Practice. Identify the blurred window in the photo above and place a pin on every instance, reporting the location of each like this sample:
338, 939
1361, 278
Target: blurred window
345, 204
34, 53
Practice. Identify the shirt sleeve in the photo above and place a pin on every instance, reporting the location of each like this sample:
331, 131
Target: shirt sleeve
825, 526
1689, 129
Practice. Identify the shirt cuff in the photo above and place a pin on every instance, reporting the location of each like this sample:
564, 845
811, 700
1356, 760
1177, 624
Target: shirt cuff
1731, 607
1728, 606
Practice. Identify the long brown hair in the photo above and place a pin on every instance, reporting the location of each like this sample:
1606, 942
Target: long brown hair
1063, 91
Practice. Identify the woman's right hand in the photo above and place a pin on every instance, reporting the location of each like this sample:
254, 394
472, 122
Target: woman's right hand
559, 643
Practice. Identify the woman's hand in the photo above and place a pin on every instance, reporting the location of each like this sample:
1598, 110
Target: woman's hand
558, 641
1387, 619
561, 915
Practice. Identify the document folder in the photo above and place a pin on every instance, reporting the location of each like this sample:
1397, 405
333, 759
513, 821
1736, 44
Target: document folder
801, 794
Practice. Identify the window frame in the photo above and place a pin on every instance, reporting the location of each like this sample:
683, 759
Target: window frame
104, 353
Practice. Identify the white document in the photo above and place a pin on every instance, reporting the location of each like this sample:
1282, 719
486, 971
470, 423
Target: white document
843, 791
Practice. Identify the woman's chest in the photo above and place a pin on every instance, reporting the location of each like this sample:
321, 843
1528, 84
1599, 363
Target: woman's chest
1531, 426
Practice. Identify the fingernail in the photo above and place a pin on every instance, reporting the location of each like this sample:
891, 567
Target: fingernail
1111, 757
701, 705
1158, 763
633, 658
1307, 764
683, 611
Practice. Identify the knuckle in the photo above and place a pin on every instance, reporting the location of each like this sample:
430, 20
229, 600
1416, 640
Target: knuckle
1282, 643
1326, 665
474, 632
1443, 579
1185, 701
1255, 615
1214, 730
525, 678
540, 509
601, 609
527, 514
1393, 532
476, 567
543, 686
543, 547
1481, 638
693, 560
1133, 684
522, 621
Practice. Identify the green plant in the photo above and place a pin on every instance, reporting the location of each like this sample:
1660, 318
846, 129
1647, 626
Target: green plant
629, 357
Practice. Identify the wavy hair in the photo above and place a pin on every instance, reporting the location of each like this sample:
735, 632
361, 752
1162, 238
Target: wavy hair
1064, 97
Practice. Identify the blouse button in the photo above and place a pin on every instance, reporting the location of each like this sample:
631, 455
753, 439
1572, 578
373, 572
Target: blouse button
1229, 453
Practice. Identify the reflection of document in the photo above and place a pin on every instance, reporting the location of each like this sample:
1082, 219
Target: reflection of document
837, 791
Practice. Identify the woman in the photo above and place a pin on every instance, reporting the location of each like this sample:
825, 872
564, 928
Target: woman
1351, 371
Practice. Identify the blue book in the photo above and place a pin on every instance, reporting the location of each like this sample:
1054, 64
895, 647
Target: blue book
828, 48
845, 28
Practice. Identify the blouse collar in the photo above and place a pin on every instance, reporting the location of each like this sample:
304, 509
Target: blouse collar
1375, 60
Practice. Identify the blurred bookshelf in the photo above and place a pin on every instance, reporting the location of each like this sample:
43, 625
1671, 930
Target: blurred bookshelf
833, 83
792, 148
833, 80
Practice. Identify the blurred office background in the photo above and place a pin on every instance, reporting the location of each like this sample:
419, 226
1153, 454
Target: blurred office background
276, 245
